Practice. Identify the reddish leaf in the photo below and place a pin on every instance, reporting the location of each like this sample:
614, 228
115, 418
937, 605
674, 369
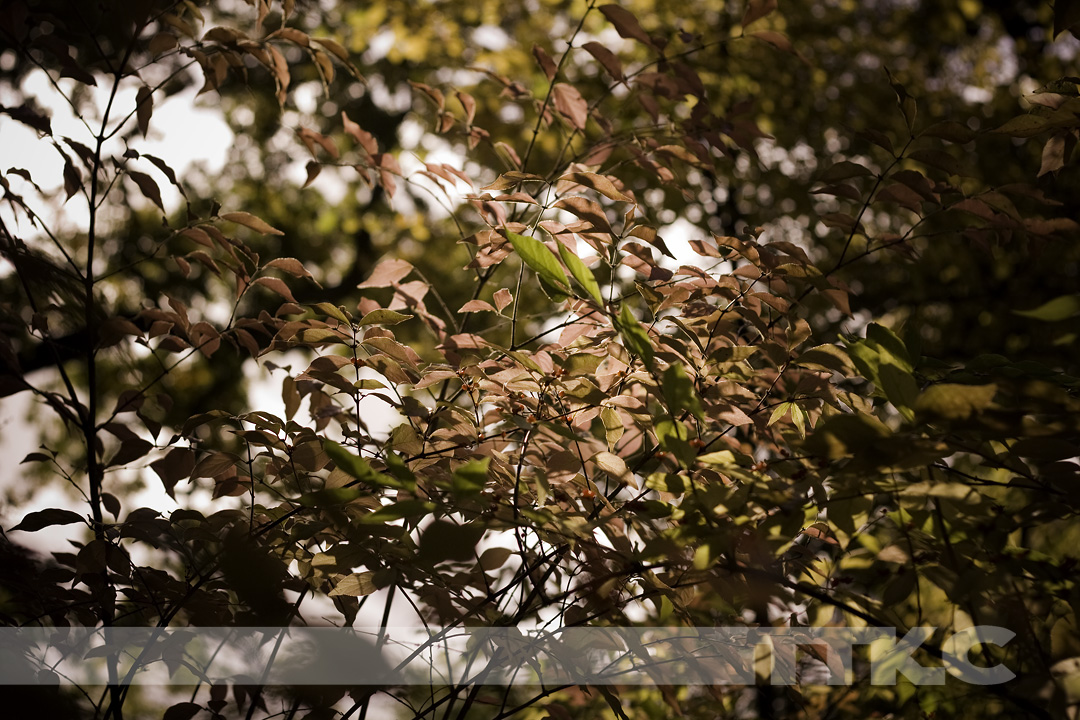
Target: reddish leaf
277, 285
607, 59
545, 62
571, 105
148, 187
502, 298
625, 23
599, 183
387, 273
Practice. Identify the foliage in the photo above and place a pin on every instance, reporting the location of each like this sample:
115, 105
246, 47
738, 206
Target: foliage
587, 428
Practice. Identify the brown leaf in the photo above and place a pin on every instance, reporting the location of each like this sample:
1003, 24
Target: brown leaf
148, 187
571, 105
545, 62
72, 178
1053, 155
277, 285
607, 59
290, 265
625, 23
313, 169
144, 108
757, 9
599, 183
476, 306
387, 273
250, 221
364, 138
502, 298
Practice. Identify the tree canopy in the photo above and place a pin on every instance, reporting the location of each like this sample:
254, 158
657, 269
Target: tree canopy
579, 316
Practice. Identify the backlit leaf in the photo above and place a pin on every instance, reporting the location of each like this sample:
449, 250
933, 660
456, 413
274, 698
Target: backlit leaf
1060, 308
542, 261
355, 585
250, 221
581, 273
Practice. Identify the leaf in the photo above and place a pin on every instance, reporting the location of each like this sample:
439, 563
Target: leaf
313, 169
471, 477
613, 426
182, 711
625, 23
1060, 308
780, 41
144, 108
502, 298
1066, 16
250, 221
679, 391
545, 62
607, 59
955, 402
177, 465
845, 170
476, 306
330, 497
942, 161
443, 540
399, 511
757, 9
581, 273
331, 310
950, 131
634, 335
494, 558
148, 187
613, 465
387, 273
355, 585
571, 105
1053, 155
1024, 126
277, 285
72, 178
383, 317
47, 518
599, 183
290, 265
542, 261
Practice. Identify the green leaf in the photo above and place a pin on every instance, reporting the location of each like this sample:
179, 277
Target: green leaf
634, 335
399, 510
679, 391
470, 478
331, 310
383, 317
1060, 308
542, 261
674, 437
330, 497
359, 468
955, 402
581, 273
355, 585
